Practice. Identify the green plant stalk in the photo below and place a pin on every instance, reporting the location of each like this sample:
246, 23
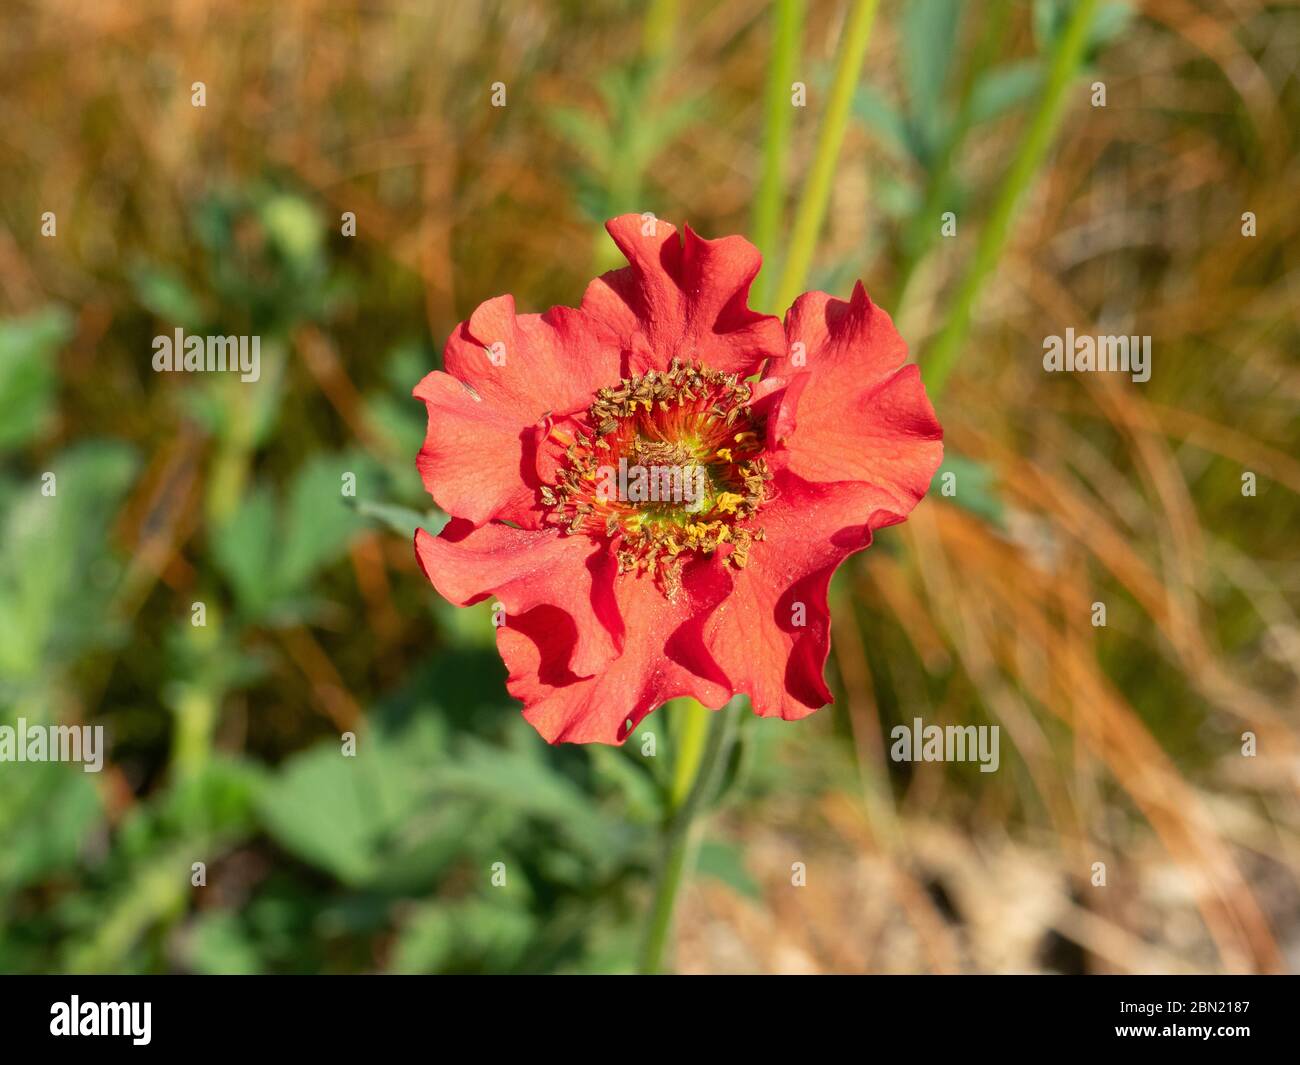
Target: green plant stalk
811, 212
232, 461
196, 721
702, 741
156, 892
659, 29
778, 118
690, 732
1066, 60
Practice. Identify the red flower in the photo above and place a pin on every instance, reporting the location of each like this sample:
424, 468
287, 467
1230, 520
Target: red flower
655, 524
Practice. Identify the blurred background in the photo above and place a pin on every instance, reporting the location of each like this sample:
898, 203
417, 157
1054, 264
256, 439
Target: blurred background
1121, 744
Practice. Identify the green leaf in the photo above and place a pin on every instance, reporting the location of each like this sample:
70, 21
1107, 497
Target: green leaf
518, 779
879, 115
403, 520
466, 627
626, 770
320, 522
64, 801
726, 862
219, 800
929, 34
167, 296
478, 935
244, 551
344, 813
293, 226
219, 945
1051, 16
320, 809
974, 487
29, 348
584, 130
1004, 88
56, 571
401, 425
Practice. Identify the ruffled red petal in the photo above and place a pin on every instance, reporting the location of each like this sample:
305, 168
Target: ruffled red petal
525, 569
663, 657
550, 362
853, 412
771, 634
683, 299
475, 461
504, 373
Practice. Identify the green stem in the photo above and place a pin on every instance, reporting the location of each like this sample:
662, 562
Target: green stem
703, 742
197, 710
659, 29
156, 892
1066, 59
779, 116
234, 456
811, 212
690, 733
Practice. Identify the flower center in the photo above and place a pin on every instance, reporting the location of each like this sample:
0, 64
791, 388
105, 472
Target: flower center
665, 466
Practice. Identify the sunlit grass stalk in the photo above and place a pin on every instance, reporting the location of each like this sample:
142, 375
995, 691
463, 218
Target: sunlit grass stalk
197, 709
702, 740
787, 36
1066, 60
659, 29
811, 212
230, 467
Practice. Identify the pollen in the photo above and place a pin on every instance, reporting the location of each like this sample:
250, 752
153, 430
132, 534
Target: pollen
664, 467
